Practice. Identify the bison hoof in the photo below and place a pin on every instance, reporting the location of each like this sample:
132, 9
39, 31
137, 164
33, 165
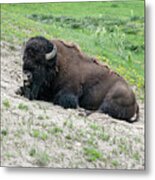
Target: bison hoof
84, 112
19, 91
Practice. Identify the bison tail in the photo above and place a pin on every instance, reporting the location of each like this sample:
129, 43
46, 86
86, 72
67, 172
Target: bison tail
135, 118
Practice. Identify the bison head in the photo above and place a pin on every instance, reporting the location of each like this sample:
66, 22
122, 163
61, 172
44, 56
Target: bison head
38, 59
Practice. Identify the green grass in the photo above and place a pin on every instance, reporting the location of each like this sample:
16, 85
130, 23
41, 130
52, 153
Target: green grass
4, 132
40, 117
111, 31
115, 163
95, 127
23, 107
92, 154
6, 103
55, 130
104, 136
41, 157
136, 156
32, 152
9, 155
39, 134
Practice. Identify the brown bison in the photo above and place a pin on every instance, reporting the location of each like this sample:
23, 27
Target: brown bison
60, 73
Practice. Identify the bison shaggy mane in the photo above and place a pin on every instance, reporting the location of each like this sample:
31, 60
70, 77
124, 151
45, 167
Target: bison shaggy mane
61, 73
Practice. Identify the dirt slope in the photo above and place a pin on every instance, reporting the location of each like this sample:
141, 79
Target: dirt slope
37, 133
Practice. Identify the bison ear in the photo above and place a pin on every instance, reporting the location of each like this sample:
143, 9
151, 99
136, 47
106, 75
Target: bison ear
52, 54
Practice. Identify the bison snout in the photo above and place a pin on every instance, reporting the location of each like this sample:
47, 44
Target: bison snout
27, 75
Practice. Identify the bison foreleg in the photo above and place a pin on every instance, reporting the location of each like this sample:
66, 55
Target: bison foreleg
38, 79
66, 100
34, 92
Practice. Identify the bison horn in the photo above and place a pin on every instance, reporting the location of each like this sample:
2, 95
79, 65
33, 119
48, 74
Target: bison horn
51, 54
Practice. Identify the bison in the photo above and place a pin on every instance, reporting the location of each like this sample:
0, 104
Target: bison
61, 73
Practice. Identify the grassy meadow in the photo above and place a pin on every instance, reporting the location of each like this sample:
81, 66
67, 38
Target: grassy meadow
111, 31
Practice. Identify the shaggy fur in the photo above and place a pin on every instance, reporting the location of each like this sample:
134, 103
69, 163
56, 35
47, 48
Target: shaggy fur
72, 79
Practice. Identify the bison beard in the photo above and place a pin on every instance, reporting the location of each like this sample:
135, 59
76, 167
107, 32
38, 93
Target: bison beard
60, 73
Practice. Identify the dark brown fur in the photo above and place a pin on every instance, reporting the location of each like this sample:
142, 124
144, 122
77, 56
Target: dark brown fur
73, 79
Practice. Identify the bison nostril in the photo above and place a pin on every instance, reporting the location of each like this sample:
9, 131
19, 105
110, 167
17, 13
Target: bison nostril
27, 75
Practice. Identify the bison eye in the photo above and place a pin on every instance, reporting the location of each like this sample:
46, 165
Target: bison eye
28, 67
32, 51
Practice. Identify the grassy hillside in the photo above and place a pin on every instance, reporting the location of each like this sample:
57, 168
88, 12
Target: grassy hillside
111, 31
